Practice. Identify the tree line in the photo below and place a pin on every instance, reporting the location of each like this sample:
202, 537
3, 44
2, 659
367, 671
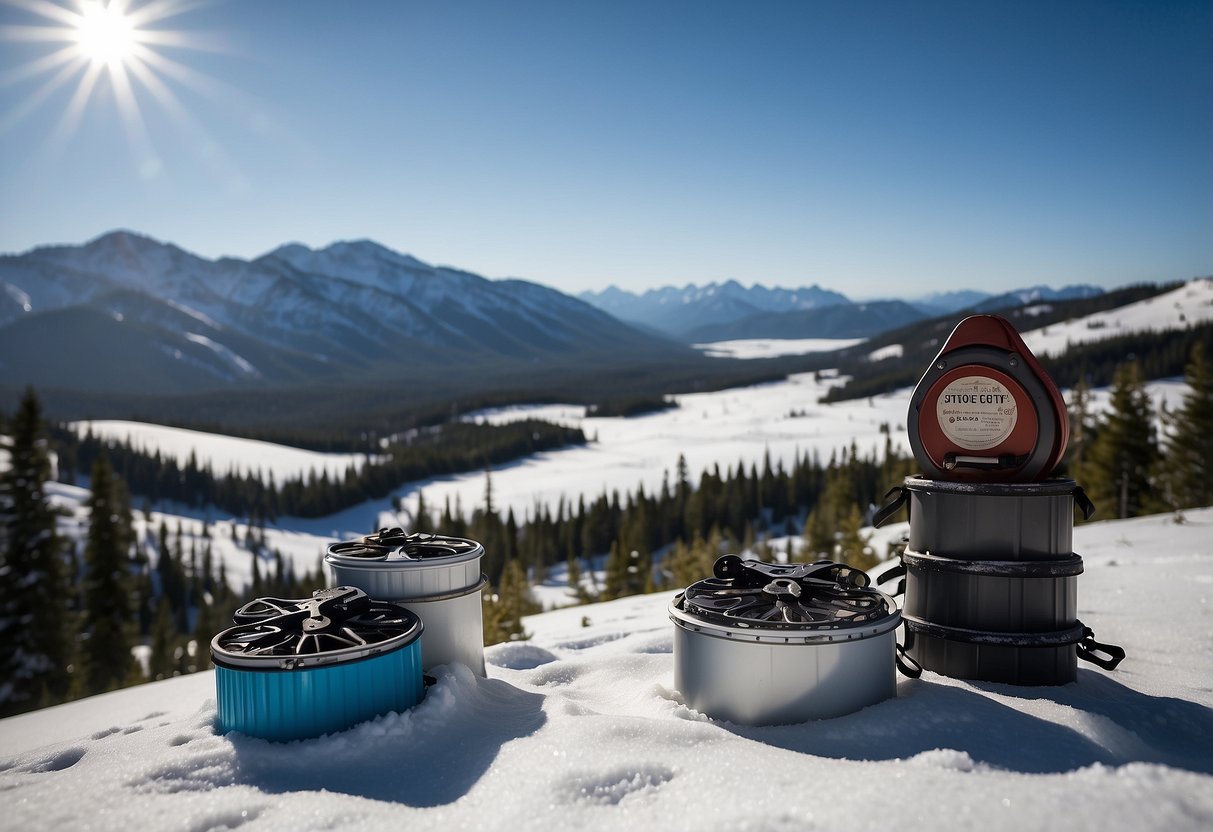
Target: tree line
69, 615
437, 450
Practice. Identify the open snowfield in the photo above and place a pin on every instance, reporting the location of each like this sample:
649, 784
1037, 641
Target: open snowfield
719, 428
1188, 305
223, 453
782, 418
774, 347
580, 728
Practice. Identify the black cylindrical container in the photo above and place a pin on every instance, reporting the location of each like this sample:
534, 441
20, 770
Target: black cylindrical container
994, 521
1014, 658
999, 596
997, 621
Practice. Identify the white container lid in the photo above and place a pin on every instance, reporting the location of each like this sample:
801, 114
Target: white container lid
396, 566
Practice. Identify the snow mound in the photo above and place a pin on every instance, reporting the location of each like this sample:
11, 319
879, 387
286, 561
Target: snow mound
581, 728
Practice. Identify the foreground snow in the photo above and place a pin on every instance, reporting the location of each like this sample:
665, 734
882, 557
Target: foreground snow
580, 728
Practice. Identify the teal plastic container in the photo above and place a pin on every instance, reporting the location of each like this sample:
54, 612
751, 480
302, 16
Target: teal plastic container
321, 665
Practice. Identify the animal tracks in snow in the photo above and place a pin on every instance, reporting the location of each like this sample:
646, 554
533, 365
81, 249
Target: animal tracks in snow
59, 761
612, 787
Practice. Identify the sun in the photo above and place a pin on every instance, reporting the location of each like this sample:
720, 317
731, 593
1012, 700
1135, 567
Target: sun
119, 43
105, 34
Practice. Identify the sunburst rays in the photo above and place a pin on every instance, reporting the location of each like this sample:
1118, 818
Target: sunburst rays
118, 44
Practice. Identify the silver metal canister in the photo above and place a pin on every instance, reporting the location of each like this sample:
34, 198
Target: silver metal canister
770, 644
436, 577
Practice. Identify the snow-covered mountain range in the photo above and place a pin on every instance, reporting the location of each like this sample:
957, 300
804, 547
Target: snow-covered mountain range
679, 310
729, 310
941, 303
127, 313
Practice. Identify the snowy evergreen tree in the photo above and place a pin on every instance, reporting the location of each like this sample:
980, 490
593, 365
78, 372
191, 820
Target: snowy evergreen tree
164, 641
1190, 445
422, 521
1082, 432
852, 547
35, 648
616, 578
818, 535
504, 609
105, 657
1123, 454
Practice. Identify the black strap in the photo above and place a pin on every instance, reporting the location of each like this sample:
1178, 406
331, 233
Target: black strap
1055, 638
1084, 503
1067, 567
906, 664
890, 508
898, 570
1106, 656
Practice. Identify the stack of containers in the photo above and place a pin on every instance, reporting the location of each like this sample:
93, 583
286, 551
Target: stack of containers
991, 578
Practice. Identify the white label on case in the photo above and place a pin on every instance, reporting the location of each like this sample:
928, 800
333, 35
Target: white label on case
976, 412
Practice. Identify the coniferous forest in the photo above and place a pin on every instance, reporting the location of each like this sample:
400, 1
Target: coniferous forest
77, 608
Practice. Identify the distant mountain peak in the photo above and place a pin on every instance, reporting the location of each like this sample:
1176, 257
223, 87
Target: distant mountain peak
364, 260
692, 307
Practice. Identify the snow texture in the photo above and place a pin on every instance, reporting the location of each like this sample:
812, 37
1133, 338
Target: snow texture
580, 728
883, 353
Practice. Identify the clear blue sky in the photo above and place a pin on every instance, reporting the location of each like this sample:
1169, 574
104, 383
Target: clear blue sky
875, 148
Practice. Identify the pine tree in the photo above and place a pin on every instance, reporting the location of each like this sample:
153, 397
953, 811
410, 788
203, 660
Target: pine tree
205, 628
1190, 445
687, 564
1082, 432
489, 508
818, 534
421, 522
164, 642
504, 609
35, 649
1118, 467
574, 577
616, 579
106, 648
852, 547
